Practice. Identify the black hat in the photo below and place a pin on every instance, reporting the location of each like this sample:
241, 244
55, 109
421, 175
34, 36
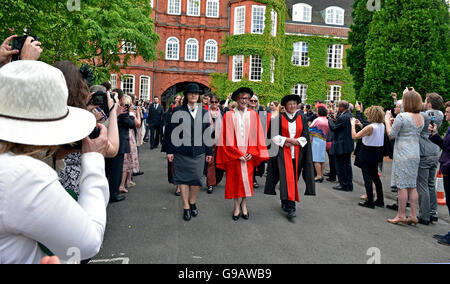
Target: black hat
241, 90
192, 88
290, 98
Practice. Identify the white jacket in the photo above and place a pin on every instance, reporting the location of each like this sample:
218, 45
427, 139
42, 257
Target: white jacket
34, 207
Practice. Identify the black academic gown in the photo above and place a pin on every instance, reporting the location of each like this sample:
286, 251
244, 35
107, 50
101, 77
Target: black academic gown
263, 116
276, 170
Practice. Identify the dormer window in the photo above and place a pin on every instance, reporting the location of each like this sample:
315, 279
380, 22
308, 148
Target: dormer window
301, 13
334, 16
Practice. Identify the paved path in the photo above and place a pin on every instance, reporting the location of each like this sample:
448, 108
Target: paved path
330, 228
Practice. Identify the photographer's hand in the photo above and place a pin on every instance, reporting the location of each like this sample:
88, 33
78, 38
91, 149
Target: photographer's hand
388, 118
433, 129
99, 144
6, 52
110, 100
50, 260
394, 96
123, 110
407, 90
31, 50
98, 116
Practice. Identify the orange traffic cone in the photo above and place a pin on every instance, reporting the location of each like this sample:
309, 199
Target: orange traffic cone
440, 189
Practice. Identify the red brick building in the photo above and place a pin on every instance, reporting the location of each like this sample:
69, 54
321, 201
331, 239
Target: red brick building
192, 31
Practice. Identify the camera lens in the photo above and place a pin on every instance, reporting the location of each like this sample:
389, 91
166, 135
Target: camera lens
95, 133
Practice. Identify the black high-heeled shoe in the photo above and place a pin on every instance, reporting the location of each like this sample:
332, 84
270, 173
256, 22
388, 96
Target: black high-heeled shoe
194, 210
245, 216
187, 215
235, 218
320, 180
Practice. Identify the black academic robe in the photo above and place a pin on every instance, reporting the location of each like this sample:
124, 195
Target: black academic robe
265, 121
278, 167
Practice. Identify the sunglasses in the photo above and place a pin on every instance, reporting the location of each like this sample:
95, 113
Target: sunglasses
253, 101
214, 102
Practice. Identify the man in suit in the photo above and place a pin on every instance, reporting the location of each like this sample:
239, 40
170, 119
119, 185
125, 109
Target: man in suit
342, 146
154, 121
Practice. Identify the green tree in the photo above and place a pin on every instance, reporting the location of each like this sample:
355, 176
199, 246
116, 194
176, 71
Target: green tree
356, 56
109, 24
407, 45
93, 34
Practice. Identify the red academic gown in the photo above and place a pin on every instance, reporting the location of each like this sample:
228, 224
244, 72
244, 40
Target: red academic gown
239, 182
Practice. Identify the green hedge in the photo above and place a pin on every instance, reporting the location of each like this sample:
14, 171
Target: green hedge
407, 45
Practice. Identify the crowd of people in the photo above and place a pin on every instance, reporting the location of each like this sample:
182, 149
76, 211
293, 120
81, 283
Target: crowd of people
68, 148
333, 129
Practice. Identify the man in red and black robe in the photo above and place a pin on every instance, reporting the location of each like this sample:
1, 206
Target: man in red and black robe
289, 133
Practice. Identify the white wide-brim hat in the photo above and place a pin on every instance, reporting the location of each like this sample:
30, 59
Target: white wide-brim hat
33, 106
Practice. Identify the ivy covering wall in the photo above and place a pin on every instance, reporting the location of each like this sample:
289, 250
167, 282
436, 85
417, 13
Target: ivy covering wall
286, 75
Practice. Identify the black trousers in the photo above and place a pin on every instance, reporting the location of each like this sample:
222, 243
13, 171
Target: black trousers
113, 170
370, 174
147, 133
288, 205
332, 161
344, 170
447, 191
155, 136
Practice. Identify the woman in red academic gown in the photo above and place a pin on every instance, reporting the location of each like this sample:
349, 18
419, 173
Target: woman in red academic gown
241, 148
290, 134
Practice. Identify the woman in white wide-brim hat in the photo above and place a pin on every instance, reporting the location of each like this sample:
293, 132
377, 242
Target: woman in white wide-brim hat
35, 209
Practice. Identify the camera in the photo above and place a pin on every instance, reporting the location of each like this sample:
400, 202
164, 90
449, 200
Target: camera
432, 118
18, 42
100, 99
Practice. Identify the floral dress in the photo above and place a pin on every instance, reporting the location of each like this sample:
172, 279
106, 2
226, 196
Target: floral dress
131, 161
71, 174
406, 151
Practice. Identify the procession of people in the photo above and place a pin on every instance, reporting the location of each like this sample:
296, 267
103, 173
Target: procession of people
239, 142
